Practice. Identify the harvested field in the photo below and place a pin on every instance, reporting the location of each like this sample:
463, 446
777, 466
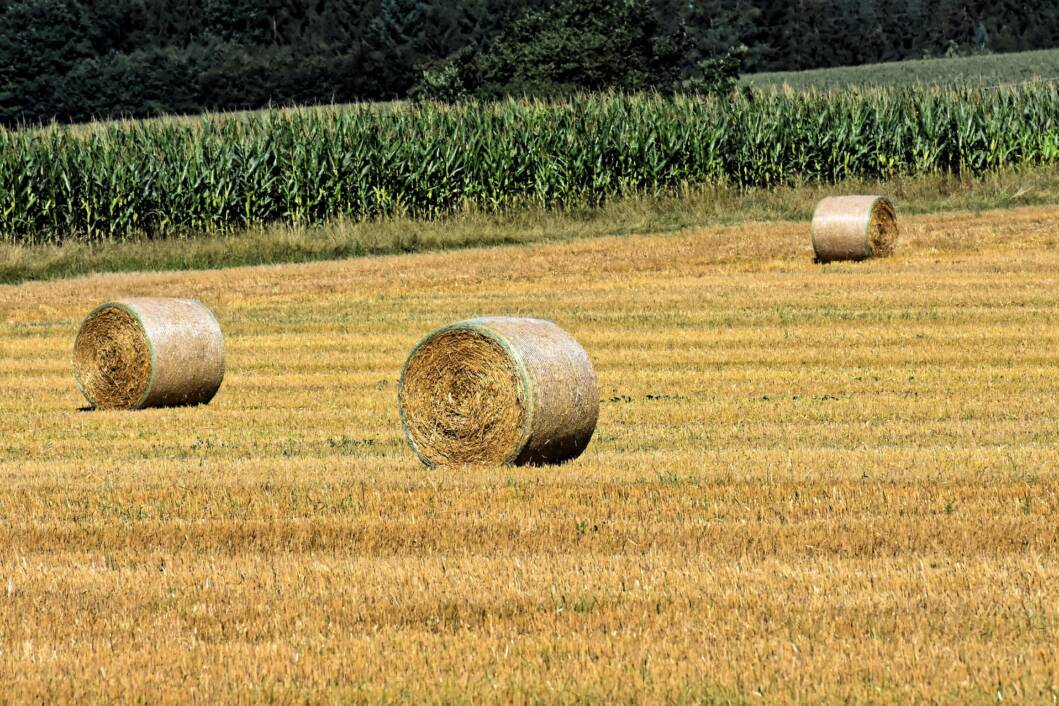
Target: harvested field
808, 483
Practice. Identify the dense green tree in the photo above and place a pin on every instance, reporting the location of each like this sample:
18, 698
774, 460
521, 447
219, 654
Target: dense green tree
392, 44
42, 40
583, 45
78, 59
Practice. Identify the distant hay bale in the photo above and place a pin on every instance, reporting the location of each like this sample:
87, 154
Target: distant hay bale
498, 390
854, 228
149, 352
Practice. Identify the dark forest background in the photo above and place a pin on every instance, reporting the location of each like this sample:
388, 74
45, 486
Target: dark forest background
81, 59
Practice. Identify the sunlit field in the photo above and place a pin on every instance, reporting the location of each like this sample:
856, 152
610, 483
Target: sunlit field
808, 484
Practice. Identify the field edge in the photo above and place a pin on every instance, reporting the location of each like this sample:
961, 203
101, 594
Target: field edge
692, 208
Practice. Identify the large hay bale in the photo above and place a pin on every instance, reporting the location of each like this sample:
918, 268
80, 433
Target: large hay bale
498, 390
854, 228
149, 352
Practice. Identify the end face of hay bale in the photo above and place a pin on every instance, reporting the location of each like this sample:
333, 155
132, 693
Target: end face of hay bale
149, 352
854, 228
462, 399
498, 390
112, 358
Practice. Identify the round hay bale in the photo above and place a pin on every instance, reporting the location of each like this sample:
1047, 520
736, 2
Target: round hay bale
498, 390
149, 352
854, 228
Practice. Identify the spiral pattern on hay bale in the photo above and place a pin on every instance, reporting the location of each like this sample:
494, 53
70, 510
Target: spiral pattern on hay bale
498, 390
149, 352
854, 228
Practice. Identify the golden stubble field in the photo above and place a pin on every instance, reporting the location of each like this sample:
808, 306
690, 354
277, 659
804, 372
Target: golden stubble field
808, 484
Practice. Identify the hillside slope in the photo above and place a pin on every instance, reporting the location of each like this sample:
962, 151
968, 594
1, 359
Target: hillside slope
988, 69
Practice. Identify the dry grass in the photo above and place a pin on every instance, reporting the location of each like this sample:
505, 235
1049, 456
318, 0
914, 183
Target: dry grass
811, 484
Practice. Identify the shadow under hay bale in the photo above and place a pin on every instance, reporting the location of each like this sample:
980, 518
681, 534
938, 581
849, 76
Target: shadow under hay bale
498, 390
149, 352
853, 228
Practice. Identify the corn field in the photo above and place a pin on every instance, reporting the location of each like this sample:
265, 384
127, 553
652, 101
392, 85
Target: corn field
213, 174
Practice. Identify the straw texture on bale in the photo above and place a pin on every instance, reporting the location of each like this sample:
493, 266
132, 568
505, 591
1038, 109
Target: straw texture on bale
498, 390
854, 228
149, 352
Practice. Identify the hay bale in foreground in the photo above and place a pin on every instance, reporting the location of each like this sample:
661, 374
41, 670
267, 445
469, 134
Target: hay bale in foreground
854, 228
498, 390
149, 352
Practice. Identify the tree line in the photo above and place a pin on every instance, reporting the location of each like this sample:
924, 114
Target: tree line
76, 60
